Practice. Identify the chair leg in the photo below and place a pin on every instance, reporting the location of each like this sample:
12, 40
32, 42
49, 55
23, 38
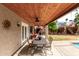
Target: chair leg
33, 51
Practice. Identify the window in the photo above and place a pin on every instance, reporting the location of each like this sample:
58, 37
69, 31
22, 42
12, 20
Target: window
25, 32
31, 29
22, 32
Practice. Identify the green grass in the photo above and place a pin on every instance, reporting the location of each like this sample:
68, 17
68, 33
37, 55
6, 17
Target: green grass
64, 37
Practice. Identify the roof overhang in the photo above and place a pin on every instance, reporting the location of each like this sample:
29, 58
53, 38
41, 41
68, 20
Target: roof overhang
45, 12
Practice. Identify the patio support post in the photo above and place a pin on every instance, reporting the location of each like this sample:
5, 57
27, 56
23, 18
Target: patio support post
46, 33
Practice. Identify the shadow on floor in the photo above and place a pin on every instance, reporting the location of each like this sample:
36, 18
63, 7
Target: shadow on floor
30, 51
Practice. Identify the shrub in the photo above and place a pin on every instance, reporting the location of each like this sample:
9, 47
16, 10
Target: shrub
50, 38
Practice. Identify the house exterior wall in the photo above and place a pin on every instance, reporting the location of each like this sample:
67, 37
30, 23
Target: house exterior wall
10, 39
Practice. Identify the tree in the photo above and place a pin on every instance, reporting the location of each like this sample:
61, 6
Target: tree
65, 28
53, 26
76, 20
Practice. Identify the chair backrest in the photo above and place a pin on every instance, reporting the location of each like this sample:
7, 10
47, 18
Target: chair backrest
40, 42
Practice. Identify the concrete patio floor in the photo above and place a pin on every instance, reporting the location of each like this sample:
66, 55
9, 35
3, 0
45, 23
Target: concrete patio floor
66, 48
52, 52
59, 48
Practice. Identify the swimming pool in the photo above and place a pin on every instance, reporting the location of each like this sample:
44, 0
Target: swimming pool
76, 44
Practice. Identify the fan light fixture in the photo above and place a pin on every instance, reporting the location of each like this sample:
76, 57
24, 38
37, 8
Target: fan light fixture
36, 19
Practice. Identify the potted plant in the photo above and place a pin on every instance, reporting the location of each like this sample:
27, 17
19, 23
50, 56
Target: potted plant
50, 38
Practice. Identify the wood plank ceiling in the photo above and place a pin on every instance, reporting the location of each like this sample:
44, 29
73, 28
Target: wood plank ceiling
45, 12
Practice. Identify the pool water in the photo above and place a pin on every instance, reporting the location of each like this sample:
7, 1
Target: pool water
76, 45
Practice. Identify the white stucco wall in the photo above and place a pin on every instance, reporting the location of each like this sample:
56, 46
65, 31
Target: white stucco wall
10, 40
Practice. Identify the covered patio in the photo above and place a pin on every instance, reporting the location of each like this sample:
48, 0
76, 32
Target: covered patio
38, 15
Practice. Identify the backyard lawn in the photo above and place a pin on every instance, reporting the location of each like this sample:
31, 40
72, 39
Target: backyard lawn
64, 37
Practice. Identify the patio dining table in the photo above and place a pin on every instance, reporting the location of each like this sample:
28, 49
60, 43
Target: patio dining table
38, 44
